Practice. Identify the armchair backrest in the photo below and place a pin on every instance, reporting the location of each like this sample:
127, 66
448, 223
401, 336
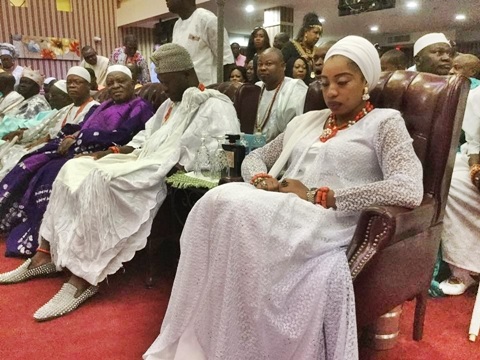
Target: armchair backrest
433, 108
154, 93
314, 99
246, 103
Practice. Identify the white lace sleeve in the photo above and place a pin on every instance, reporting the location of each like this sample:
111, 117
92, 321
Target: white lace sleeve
262, 159
402, 172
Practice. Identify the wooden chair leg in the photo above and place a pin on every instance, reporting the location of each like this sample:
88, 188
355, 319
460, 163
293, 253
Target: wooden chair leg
419, 318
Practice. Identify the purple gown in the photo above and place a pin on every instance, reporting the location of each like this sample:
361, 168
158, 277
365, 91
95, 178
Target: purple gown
25, 190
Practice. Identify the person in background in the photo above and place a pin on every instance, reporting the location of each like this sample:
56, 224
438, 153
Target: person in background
8, 56
47, 84
319, 56
467, 65
8, 96
304, 44
196, 30
127, 184
153, 74
99, 64
281, 98
298, 68
93, 81
394, 59
114, 122
33, 103
239, 58
257, 43
238, 74
280, 40
460, 238
129, 54
263, 272
433, 54
251, 72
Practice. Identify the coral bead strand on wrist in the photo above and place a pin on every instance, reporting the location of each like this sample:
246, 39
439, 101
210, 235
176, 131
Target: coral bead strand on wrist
322, 196
114, 149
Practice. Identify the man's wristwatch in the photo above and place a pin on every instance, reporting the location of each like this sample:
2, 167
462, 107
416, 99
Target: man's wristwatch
311, 195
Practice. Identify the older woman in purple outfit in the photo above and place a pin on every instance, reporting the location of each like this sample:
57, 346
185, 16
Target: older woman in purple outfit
25, 191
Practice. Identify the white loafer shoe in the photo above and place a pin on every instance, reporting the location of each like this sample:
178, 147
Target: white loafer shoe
64, 302
23, 273
454, 286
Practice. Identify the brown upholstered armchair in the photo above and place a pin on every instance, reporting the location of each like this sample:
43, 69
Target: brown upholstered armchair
393, 251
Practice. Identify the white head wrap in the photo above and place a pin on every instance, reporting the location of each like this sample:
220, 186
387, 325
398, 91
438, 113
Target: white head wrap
48, 80
80, 71
427, 40
361, 52
62, 85
171, 58
6, 52
121, 68
34, 75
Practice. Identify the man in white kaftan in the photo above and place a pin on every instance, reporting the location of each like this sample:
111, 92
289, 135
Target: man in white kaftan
33, 103
281, 98
99, 64
196, 30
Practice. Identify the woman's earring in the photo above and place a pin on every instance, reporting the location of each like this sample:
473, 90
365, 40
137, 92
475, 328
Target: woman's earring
365, 95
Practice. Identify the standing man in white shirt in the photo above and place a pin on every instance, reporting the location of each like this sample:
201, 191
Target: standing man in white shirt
99, 64
196, 30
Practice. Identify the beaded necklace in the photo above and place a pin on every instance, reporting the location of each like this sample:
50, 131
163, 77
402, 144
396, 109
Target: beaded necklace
260, 125
331, 130
80, 109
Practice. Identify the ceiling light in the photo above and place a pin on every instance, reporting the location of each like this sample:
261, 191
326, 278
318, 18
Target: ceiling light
412, 5
322, 20
249, 8
460, 17
374, 28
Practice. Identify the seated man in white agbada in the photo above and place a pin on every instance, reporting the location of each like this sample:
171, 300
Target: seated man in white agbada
101, 207
281, 98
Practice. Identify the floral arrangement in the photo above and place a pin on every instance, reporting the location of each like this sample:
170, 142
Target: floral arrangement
42, 47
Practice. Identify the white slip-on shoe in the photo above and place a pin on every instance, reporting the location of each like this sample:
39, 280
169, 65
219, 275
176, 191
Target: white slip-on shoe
454, 286
64, 302
23, 273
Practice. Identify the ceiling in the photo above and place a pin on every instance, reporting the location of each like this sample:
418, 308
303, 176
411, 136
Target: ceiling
430, 16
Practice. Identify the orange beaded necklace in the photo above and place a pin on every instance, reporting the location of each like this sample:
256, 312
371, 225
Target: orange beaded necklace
331, 130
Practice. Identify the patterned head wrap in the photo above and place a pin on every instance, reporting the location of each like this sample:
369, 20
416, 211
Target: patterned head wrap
80, 71
171, 58
34, 75
361, 52
427, 40
120, 68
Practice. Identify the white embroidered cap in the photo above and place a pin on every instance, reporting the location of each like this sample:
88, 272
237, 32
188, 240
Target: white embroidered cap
34, 75
62, 85
121, 68
427, 40
80, 71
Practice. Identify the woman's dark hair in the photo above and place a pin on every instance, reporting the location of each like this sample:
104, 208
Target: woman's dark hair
289, 68
255, 76
242, 70
310, 19
251, 51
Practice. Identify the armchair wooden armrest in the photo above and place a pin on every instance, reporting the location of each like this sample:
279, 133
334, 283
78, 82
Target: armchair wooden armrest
382, 226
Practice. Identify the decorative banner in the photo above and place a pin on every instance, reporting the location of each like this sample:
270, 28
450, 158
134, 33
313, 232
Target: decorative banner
42, 47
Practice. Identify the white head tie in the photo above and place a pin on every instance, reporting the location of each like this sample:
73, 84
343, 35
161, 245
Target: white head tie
427, 40
121, 68
361, 52
80, 71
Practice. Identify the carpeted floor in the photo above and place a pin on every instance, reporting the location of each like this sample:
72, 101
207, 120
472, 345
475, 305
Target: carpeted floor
125, 317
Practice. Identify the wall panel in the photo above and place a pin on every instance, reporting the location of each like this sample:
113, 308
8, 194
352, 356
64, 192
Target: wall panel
88, 18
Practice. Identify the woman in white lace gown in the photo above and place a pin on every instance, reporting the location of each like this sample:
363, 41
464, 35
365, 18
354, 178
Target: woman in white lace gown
263, 272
